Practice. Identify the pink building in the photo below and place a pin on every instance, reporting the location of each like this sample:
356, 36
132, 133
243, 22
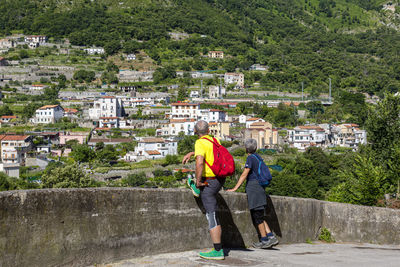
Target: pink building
80, 136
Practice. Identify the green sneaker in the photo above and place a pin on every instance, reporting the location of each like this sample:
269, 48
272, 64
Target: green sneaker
192, 185
213, 255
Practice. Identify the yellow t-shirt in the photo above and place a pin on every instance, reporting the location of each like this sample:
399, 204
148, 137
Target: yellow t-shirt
204, 148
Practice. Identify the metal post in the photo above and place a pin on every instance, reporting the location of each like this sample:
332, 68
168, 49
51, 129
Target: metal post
302, 91
330, 89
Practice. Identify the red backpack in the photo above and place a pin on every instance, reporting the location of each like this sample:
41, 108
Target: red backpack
223, 165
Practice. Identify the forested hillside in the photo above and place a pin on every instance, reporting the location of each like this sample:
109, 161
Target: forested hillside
349, 41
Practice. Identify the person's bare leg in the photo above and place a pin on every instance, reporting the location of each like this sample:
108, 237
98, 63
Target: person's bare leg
261, 228
216, 234
267, 230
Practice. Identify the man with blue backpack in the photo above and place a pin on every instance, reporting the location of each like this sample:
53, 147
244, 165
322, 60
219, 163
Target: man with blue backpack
258, 177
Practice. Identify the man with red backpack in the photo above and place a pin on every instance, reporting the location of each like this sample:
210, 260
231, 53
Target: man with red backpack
213, 164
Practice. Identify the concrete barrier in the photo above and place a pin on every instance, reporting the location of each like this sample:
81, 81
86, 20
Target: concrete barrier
78, 227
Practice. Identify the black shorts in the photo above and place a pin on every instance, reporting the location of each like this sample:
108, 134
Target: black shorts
208, 194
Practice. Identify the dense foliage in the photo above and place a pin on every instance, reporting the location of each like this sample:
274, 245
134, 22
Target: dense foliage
300, 40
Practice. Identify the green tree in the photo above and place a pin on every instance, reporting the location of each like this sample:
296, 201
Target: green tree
186, 143
6, 183
112, 47
365, 183
69, 176
136, 179
82, 153
5, 110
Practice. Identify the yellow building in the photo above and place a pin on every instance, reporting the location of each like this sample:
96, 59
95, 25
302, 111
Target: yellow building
219, 130
263, 133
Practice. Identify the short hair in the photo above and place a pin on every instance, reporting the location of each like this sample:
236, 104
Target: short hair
201, 127
250, 145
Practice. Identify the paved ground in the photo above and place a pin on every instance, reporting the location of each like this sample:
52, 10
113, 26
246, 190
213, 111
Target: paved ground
318, 254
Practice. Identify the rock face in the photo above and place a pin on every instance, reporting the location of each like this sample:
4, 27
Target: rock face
79, 227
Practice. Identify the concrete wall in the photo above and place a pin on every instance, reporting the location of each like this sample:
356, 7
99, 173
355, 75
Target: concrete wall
78, 227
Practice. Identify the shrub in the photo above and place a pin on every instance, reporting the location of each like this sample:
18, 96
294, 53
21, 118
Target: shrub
326, 236
136, 179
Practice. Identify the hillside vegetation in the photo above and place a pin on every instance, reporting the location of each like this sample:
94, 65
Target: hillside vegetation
350, 41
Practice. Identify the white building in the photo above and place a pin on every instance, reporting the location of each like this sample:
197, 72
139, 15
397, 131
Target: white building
216, 115
258, 67
94, 51
234, 78
152, 148
49, 114
37, 87
302, 137
348, 135
216, 92
175, 126
39, 39
250, 121
184, 111
194, 94
7, 43
107, 106
14, 148
243, 118
109, 122
131, 57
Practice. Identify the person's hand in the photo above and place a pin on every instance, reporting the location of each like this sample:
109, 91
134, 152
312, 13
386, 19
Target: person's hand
231, 190
187, 157
200, 184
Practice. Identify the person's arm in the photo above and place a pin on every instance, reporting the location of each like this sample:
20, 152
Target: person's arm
187, 157
241, 180
199, 170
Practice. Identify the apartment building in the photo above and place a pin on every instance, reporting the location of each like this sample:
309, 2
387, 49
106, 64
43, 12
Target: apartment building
152, 148
14, 148
49, 114
106, 106
234, 78
184, 111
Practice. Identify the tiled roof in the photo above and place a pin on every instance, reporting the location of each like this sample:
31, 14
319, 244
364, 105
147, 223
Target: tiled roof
8, 117
153, 152
49, 106
259, 123
254, 119
2, 136
181, 120
108, 96
184, 104
15, 137
215, 110
309, 127
70, 110
152, 140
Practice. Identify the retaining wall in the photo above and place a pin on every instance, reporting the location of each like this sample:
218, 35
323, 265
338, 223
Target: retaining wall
78, 227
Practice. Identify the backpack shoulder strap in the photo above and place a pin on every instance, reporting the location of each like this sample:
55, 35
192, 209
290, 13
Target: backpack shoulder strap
214, 141
259, 164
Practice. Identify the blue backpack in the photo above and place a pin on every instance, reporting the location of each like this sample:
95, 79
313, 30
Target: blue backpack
264, 176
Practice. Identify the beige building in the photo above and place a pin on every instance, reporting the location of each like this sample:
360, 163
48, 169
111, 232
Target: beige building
219, 129
216, 54
263, 133
14, 148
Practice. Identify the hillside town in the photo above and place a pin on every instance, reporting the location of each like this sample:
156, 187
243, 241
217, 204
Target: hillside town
130, 110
